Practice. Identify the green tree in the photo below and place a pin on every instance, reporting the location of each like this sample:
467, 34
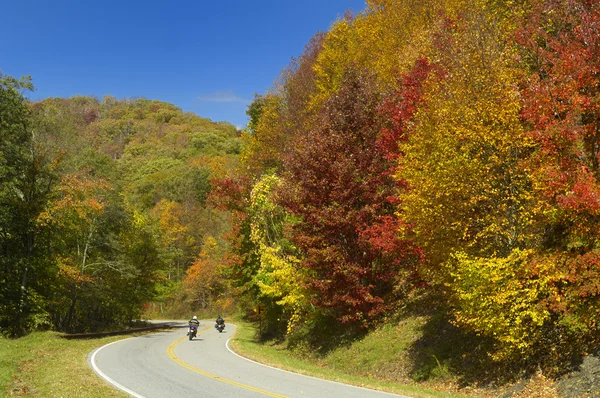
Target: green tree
24, 183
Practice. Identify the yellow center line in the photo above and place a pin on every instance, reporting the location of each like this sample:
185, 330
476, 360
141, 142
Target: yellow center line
171, 353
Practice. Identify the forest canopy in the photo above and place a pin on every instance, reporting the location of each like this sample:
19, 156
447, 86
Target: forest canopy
103, 206
446, 148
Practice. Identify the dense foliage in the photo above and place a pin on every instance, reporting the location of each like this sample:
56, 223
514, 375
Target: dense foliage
442, 147
103, 207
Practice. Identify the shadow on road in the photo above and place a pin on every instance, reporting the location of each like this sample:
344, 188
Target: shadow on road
152, 327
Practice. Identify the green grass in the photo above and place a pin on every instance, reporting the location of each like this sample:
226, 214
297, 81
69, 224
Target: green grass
43, 364
378, 361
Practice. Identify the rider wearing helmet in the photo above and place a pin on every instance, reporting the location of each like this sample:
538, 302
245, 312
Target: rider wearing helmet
193, 329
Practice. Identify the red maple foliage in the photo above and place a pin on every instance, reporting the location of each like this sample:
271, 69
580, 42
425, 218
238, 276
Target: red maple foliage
561, 103
339, 181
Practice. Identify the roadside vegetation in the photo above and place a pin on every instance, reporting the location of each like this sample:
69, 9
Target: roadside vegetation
378, 362
417, 352
439, 149
103, 209
43, 364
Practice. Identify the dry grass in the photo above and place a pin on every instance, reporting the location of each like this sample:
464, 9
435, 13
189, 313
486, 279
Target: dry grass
538, 387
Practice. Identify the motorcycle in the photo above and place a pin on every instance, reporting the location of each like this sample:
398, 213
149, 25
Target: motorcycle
220, 327
192, 331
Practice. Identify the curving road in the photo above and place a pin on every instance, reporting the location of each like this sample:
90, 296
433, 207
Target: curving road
166, 364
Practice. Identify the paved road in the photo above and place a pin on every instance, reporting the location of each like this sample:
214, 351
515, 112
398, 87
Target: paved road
167, 364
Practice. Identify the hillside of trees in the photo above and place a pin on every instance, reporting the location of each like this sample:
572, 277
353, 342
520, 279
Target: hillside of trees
438, 149
103, 207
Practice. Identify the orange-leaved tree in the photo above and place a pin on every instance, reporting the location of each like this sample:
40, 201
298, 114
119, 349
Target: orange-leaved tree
560, 40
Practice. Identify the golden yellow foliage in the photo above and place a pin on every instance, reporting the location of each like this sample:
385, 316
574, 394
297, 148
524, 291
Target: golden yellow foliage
502, 298
279, 277
170, 214
386, 39
263, 146
468, 188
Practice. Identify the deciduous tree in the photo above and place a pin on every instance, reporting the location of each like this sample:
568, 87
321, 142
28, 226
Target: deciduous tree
336, 183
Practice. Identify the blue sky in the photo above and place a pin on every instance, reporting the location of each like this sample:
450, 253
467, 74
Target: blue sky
205, 56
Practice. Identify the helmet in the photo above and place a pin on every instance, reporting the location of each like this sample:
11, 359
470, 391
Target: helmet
194, 317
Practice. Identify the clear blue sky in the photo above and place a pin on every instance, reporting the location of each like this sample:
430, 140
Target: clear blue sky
205, 56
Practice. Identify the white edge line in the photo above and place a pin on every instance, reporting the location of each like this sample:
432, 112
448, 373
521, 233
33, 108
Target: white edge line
108, 379
311, 377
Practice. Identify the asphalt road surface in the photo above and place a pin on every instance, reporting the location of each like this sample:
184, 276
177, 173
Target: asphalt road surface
167, 364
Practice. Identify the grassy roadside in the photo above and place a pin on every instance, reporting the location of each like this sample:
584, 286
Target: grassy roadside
44, 364
335, 367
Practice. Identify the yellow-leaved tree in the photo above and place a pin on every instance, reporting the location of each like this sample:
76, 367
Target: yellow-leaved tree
174, 235
470, 199
468, 189
503, 297
265, 137
386, 39
279, 277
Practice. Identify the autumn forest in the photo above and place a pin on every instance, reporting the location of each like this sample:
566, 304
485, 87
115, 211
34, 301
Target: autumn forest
441, 150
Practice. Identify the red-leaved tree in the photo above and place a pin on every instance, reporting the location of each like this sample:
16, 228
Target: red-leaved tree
338, 180
561, 96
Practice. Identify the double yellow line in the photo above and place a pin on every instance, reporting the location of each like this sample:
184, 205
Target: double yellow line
171, 353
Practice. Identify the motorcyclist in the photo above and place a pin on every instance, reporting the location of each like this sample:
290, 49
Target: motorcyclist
219, 321
194, 323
